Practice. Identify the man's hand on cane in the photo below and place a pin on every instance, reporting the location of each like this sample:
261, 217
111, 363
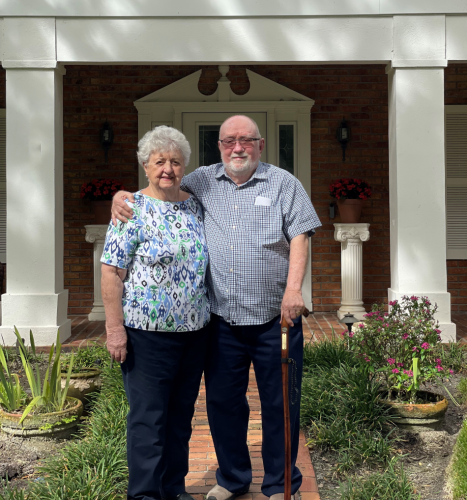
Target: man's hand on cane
292, 305
120, 210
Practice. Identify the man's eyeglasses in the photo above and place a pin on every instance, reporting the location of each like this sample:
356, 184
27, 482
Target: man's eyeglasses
229, 142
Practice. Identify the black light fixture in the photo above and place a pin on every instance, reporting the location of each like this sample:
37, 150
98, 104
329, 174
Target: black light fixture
106, 138
343, 136
349, 320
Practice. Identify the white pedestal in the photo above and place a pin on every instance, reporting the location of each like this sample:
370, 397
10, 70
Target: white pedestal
351, 237
96, 234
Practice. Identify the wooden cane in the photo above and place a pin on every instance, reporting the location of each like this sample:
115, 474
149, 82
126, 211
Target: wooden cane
285, 328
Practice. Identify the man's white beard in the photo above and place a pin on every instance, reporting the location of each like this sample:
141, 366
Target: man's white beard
239, 168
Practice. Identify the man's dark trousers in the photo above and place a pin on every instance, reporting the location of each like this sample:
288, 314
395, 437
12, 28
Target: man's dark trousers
231, 349
161, 374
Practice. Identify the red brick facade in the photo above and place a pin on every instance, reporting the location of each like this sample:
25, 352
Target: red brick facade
96, 93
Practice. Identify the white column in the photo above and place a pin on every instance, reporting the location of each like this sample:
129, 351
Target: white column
351, 237
417, 189
96, 234
35, 298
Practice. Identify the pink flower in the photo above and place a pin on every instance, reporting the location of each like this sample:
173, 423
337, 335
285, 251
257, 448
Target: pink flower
425, 345
395, 370
405, 336
451, 371
409, 373
440, 368
343, 333
413, 298
393, 302
351, 334
438, 331
391, 361
415, 349
400, 364
361, 325
438, 360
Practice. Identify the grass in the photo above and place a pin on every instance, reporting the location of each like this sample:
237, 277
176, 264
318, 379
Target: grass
391, 484
458, 469
462, 388
93, 467
453, 355
94, 355
341, 407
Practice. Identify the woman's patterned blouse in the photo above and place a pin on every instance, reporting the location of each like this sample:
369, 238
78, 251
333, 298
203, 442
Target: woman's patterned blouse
164, 250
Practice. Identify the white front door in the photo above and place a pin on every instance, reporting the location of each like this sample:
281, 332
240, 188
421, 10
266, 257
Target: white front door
202, 132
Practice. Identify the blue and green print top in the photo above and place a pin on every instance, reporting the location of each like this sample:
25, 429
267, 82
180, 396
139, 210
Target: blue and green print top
164, 250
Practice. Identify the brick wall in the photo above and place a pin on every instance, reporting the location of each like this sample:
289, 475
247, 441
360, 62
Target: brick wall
96, 93
455, 85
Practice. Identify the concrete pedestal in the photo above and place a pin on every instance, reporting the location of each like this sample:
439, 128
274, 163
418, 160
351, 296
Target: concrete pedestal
351, 237
96, 234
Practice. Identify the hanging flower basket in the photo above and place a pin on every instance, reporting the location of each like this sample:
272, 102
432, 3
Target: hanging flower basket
350, 195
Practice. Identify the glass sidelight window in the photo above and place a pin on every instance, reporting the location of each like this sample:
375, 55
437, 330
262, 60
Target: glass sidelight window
208, 149
287, 147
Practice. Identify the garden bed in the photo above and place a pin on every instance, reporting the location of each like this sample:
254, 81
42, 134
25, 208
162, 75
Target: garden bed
425, 457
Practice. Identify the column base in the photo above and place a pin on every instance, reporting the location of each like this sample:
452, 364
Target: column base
43, 335
97, 314
443, 299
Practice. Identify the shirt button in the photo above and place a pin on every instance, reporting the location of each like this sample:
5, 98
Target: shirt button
231, 248
231, 270
233, 227
236, 206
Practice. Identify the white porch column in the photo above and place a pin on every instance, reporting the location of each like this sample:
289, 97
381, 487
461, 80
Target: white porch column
96, 234
351, 237
35, 297
417, 189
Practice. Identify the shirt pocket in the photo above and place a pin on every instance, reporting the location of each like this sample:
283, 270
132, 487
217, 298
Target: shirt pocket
264, 224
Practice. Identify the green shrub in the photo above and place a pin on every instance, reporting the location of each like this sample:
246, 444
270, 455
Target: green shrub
392, 484
326, 354
94, 355
458, 470
453, 356
94, 467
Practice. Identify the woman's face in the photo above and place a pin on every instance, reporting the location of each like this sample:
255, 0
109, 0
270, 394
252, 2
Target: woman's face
165, 169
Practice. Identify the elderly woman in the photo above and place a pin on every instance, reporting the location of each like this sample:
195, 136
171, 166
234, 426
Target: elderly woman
157, 312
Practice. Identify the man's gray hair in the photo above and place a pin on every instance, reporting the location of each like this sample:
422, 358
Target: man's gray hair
163, 139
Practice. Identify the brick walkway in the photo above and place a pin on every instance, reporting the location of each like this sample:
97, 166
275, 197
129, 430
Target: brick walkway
203, 463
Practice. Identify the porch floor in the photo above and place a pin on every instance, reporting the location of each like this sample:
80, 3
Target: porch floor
203, 463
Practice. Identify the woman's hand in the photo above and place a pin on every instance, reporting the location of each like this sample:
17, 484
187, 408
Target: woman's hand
116, 342
120, 210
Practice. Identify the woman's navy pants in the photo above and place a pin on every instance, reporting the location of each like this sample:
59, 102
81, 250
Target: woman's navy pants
231, 351
161, 374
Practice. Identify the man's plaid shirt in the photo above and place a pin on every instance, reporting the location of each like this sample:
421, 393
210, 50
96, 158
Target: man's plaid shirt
248, 230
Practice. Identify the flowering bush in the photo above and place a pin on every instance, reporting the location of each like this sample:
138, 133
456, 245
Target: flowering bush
350, 189
399, 345
100, 189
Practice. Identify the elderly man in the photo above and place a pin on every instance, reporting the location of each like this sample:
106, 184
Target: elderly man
257, 220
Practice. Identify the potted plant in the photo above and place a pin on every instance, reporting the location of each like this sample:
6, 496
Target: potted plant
399, 348
350, 194
100, 192
48, 412
86, 373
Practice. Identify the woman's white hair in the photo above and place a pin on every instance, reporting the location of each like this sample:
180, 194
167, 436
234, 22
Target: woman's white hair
163, 139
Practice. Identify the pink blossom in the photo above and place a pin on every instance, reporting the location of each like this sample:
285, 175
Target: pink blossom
351, 334
415, 349
343, 333
393, 302
391, 361
395, 370
425, 345
427, 302
361, 325
405, 336
413, 297
409, 373
451, 371
400, 364
437, 330
440, 368
438, 360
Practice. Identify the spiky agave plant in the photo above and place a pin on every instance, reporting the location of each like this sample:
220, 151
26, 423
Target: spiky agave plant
48, 394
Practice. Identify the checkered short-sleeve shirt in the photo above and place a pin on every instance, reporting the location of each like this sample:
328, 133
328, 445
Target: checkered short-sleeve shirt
248, 233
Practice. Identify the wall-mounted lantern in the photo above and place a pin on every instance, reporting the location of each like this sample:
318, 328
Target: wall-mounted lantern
106, 138
343, 136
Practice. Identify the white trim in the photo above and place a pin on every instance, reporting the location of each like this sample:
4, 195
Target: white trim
3, 190
50, 63
419, 63
295, 140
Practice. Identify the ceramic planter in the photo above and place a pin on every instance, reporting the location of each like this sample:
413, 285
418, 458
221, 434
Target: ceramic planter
420, 417
87, 381
46, 425
350, 210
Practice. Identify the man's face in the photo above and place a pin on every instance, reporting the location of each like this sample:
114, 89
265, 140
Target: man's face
240, 159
